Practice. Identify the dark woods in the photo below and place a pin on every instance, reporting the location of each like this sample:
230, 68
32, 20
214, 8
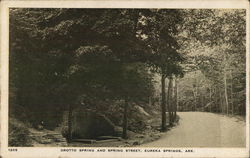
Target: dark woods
109, 60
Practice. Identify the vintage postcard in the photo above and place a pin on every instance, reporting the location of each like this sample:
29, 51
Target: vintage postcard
124, 78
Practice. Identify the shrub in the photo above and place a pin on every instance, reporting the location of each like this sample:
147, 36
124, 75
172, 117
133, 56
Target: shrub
18, 133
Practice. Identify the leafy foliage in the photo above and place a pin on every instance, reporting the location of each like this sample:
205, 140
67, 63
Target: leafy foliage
217, 50
74, 57
18, 135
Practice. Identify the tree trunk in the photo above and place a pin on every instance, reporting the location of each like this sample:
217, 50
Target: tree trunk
225, 86
221, 103
195, 91
225, 83
125, 119
70, 123
176, 98
170, 101
232, 101
201, 102
195, 100
210, 97
163, 104
217, 99
150, 101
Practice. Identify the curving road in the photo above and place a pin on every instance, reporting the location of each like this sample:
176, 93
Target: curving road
202, 129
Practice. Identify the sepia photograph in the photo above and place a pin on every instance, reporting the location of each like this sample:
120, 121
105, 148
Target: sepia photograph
143, 79
126, 77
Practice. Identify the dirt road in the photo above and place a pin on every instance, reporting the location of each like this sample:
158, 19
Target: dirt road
201, 129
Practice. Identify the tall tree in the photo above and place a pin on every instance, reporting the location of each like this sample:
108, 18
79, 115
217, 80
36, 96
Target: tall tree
159, 29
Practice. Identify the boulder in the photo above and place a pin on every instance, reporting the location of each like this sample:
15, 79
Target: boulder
88, 124
141, 111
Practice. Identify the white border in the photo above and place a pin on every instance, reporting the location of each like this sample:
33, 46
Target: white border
129, 4
55, 151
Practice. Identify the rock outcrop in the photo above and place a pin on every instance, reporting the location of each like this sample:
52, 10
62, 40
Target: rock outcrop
88, 124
